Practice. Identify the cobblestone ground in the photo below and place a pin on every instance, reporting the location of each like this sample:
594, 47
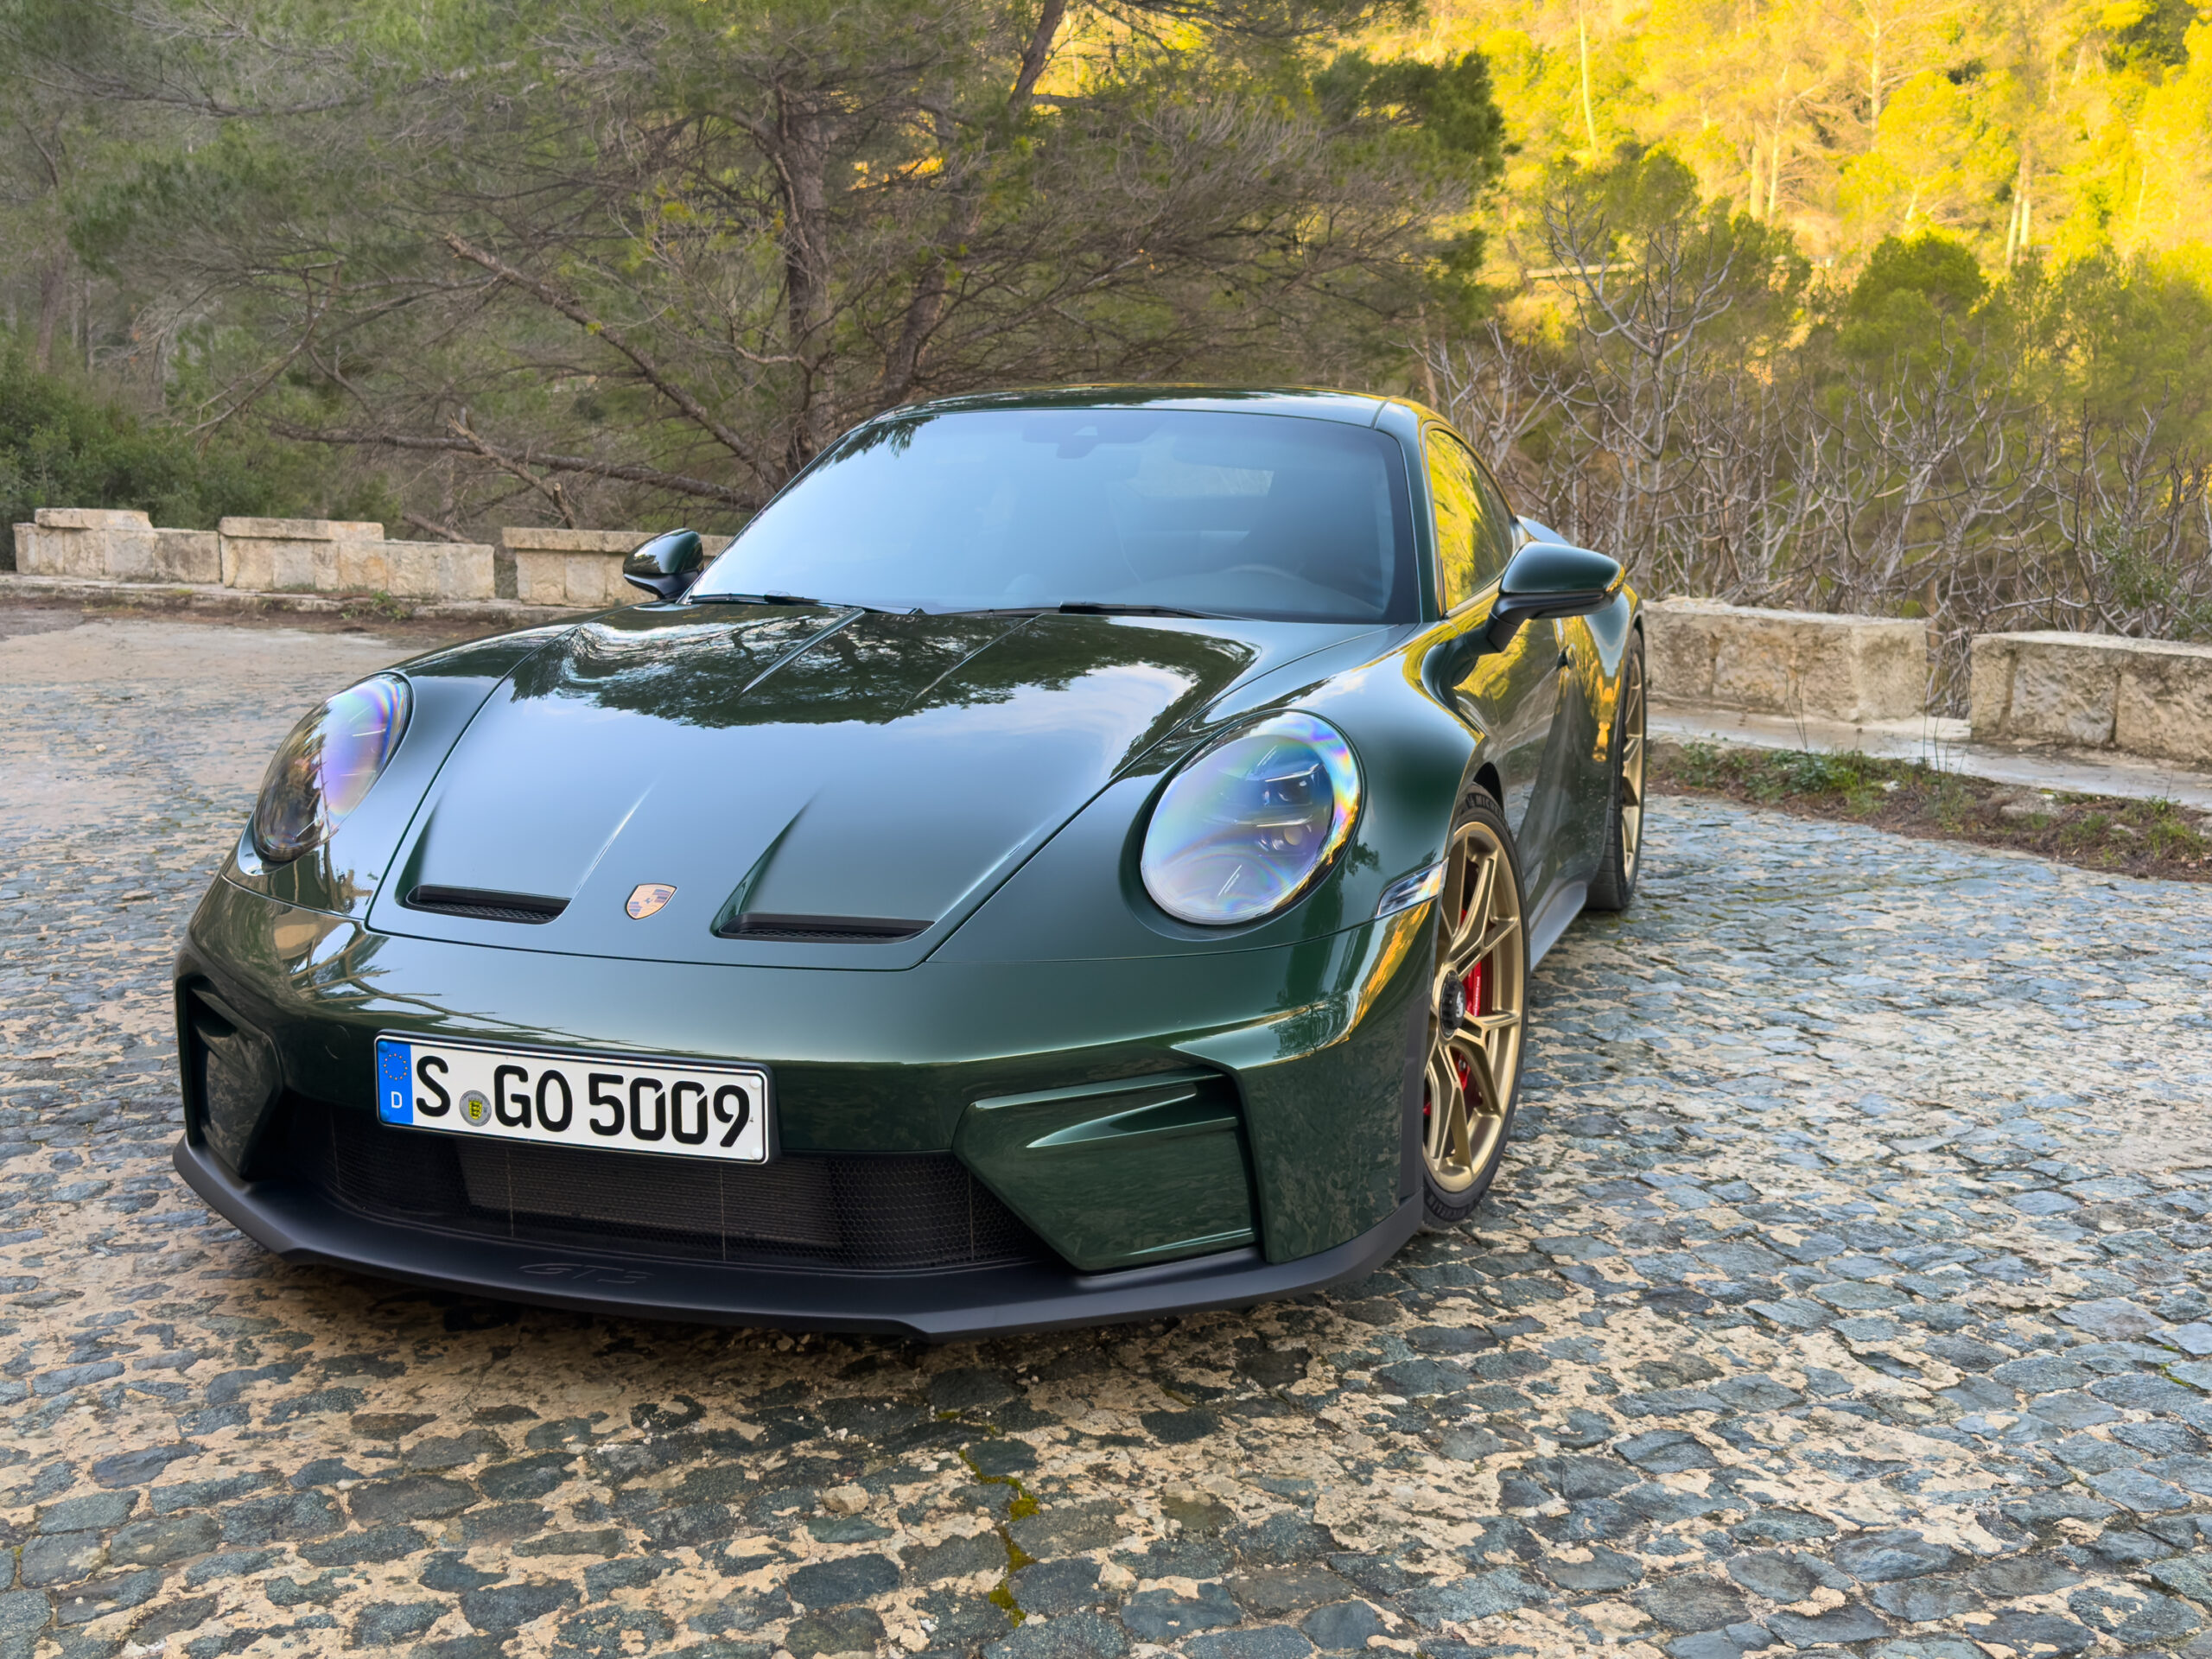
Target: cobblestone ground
1844, 1294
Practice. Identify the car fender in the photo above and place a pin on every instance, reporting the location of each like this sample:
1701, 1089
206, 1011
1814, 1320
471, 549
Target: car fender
1081, 895
448, 688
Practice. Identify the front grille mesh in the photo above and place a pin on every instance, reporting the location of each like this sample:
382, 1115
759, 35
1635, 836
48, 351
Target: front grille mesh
883, 1212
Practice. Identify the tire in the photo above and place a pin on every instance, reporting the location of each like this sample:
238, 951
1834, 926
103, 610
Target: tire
1477, 1015
1613, 887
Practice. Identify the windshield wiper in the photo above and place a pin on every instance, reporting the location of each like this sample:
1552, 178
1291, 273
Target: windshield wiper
1108, 607
796, 599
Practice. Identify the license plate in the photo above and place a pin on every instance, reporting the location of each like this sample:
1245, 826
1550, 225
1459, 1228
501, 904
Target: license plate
689, 1110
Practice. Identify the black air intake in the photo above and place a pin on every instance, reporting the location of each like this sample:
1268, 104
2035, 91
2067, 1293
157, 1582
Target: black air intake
483, 906
230, 1080
853, 1212
820, 929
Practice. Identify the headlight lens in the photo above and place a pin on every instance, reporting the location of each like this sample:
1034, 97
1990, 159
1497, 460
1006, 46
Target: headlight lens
1249, 823
324, 768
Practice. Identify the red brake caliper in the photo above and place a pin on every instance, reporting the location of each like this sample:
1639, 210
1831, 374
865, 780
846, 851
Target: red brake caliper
1475, 984
1472, 983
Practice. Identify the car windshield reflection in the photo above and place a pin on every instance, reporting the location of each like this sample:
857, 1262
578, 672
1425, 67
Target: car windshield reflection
1138, 511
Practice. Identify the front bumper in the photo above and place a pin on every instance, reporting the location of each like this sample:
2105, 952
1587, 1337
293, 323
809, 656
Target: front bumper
1181, 1131
299, 1226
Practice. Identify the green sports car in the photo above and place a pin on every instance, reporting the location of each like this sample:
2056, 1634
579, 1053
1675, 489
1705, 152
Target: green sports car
1076, 855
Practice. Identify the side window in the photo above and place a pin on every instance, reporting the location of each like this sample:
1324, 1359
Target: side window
1458, 519
1494, 544
1474, 529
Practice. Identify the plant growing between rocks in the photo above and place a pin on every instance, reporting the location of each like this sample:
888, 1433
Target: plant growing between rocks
2147, 838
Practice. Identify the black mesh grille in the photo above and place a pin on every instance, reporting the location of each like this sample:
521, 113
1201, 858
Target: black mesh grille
485, 906
820, 929
861, 1212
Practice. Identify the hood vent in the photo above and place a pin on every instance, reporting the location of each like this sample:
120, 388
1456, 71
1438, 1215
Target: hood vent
819, 930
483, 906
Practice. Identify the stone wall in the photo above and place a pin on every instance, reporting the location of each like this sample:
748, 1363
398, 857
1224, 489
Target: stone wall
573, 567
104, 544
577, 568
331, 556
2150, 697
1792, 663
566, 567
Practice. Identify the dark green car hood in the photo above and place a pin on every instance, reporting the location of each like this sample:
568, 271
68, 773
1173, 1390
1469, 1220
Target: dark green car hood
790, 761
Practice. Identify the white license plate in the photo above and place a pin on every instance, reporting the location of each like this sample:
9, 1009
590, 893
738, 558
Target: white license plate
689, 1110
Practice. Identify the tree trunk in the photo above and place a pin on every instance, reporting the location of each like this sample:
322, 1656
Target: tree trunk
926, 309
804, 135
53, 292
1874, 80
1589, 118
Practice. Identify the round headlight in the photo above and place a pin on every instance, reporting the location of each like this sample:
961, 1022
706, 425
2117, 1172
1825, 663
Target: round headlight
1251, 821
324, 768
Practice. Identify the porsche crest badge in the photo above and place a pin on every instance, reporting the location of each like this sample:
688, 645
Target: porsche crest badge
647, 897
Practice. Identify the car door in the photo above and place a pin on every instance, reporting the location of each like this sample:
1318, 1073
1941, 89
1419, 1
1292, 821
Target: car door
1511, 695
1576, 779
1553, 813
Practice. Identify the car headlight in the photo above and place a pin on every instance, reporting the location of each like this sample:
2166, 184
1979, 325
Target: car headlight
324, 768
1251, 821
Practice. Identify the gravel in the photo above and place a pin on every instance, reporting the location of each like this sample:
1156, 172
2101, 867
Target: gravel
1847, 1292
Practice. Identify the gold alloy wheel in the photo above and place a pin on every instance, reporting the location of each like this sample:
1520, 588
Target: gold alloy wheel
1476, 1001
1631, 813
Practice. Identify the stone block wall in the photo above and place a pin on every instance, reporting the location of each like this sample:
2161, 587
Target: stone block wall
578, 567
280, 555
105, 544
268, 556
330, 555
2151, 697
1791, 662
569, 567
573, 567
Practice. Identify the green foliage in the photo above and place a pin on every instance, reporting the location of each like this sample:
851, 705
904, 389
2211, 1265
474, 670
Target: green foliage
1451, 102
1910, 292
1776, 775
1639, 189
222, 192
2099, 832
61, 446
2112, 339
2158, 39
2034, 129
1449, 112
1668, 251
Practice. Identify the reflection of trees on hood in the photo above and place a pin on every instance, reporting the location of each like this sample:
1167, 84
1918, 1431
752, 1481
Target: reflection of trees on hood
742, 669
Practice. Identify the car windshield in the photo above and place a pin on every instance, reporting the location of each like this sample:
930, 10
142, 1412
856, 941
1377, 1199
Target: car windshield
1225, 514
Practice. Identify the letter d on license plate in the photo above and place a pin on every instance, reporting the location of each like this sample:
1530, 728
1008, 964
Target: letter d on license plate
686, 1109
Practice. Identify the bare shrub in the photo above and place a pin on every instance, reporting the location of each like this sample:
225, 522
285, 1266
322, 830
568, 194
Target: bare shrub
1737, 462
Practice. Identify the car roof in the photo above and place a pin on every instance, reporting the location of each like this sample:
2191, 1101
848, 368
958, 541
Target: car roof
1352, 408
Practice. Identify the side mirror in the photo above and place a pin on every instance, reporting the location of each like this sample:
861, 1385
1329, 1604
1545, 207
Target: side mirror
666, 566
1550, 579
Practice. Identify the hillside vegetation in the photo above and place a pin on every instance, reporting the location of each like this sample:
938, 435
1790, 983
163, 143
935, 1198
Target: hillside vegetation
1897, 306
2060, 129
1887, 305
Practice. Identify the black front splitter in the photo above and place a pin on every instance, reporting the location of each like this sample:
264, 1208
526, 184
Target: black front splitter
296, 1224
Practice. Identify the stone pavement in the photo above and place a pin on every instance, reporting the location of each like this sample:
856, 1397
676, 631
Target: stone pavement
1845, 1292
